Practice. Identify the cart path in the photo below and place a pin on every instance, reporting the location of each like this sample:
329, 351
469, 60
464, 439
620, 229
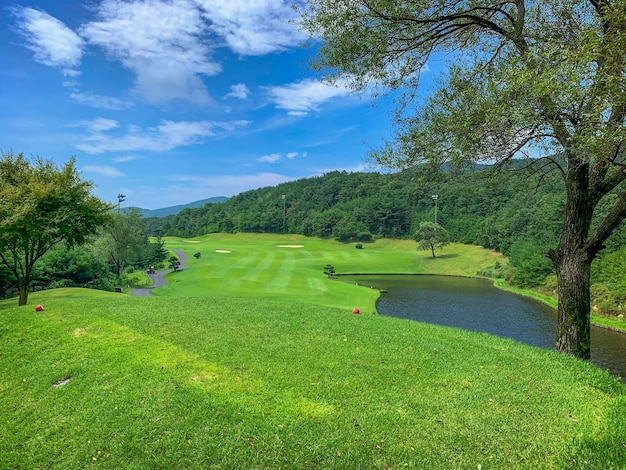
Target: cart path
158, 278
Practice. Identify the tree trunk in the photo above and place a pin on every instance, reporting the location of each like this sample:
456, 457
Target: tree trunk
23, 296
573, 335
572, 262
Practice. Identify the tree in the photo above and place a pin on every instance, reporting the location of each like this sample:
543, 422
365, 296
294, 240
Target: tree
42, 206
430, 235
75, 267
329, 271
157, 253
174, 262
531, 78
124, 241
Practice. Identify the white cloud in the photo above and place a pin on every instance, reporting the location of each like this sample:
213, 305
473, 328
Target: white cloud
53, 43
166, 136
126, 158
164, 43
96, 125
103, 171
227, 185
238, 91
167, 44
274, 157
305, 96
271, 158
254, 27
100, 102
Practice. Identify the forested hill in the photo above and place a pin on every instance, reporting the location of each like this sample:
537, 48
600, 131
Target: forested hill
516, 212
358, 206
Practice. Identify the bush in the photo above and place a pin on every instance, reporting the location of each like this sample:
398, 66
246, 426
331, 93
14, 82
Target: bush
359, 246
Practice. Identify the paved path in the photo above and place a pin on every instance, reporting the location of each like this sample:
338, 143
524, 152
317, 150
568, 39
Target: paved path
158, 278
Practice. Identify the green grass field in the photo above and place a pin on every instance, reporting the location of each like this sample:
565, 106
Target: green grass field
290, 268
207, 375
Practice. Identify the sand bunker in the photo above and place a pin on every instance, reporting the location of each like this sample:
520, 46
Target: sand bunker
223, 251
290, 246
191, 241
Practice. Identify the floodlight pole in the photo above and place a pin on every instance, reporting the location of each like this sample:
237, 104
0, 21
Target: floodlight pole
120, 198
284, 212
435, 197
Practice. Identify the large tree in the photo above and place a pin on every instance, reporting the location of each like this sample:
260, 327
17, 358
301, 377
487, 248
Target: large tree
537, 78
41, 206
431, 236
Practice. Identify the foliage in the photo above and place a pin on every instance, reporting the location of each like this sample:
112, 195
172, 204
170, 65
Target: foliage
42, 206
73, 267
431, 236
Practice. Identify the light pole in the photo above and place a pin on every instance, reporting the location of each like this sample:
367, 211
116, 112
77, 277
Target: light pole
284, 212
435, 197
120, 198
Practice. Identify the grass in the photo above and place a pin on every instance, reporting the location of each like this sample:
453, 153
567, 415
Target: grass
612, 323
258, 267
236, 383
204, 377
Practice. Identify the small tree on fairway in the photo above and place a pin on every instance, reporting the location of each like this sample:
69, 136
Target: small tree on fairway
431, 236
42, 206
329, 270
174, 262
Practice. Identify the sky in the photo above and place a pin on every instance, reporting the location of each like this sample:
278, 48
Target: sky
173, 101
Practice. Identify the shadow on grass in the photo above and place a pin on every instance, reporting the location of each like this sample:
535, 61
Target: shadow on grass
445, 256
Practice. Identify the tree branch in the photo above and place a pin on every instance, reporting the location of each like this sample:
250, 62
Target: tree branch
604, 230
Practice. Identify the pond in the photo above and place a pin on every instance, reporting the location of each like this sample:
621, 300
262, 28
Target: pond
475, 304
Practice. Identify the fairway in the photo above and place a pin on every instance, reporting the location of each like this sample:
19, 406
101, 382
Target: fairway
290, 267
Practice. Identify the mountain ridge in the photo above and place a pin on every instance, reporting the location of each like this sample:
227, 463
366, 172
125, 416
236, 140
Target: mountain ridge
173, 210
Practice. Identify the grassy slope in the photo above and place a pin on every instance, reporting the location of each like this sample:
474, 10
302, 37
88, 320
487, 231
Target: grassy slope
180, 380
235, 383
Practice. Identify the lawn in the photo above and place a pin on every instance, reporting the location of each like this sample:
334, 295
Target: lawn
188, 379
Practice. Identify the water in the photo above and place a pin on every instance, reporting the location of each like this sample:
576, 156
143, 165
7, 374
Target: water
476, 305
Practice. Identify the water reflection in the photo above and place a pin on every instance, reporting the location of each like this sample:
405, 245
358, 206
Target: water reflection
474, 304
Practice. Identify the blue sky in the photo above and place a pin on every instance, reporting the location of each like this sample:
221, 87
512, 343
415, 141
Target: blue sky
172, 101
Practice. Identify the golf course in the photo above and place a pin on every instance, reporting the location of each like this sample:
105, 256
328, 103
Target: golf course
252, 358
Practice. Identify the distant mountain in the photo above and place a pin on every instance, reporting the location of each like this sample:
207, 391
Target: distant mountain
173, 210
